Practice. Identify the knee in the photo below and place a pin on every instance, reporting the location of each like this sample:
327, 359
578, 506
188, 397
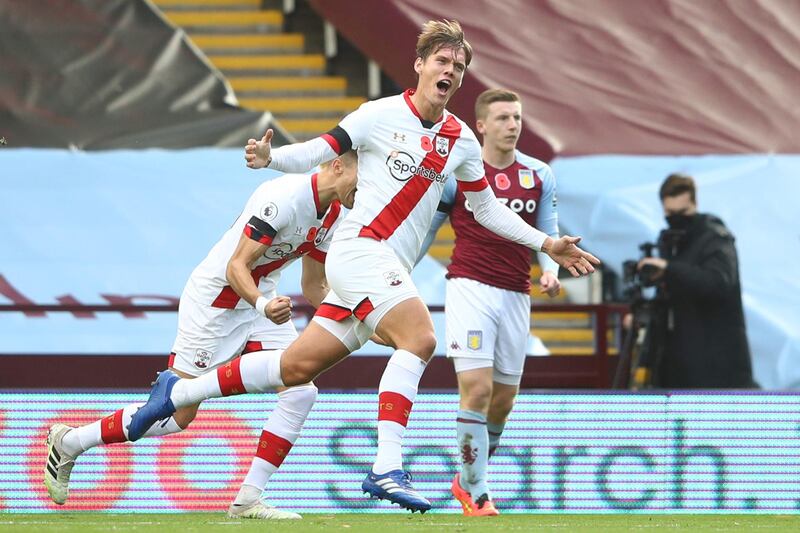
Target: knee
301, 397
501, 406
477, 397
423, 345
294, 373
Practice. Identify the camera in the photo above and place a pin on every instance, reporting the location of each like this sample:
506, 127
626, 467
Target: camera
644, 342
632, 277
669, 241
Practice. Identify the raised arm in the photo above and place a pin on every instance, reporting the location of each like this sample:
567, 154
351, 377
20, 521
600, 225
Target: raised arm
294, 158
351, 132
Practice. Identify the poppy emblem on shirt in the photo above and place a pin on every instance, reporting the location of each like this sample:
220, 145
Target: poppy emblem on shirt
526, 178
426, 143
442, 146
502, 182
312, 233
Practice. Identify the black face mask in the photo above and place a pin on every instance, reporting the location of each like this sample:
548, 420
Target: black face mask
679, 222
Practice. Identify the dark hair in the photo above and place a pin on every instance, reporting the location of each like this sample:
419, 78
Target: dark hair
491, 96
677, 184
440, 33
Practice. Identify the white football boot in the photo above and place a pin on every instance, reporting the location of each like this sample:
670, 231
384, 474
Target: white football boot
260, 510
58, 465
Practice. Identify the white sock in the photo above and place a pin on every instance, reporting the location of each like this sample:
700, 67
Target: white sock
111, 429
192, 391
280, 433
247, 494
397, 392
253, 372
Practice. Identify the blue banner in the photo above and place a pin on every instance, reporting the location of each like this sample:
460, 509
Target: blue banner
606, 453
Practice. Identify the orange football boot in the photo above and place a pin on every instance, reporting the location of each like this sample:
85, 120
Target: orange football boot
484, 507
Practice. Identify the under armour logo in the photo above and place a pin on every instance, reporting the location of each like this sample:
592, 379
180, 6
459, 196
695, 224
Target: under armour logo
399, 137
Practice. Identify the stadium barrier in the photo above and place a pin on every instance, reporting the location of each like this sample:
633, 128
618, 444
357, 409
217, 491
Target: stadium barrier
600, 453
134, 371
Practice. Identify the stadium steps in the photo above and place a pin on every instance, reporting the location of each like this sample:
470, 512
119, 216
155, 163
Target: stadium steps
268, 69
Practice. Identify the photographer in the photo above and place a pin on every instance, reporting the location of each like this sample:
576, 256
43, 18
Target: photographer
697, 280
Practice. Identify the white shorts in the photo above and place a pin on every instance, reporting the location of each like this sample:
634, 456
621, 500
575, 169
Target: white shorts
210, 336
367, 281
487, 327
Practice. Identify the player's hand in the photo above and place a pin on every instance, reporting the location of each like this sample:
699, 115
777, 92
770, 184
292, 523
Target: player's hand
257, 153
565, 252
549, 284
279, 309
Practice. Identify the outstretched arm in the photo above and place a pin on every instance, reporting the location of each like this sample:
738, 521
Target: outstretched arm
352, 132
501, 220
298, 157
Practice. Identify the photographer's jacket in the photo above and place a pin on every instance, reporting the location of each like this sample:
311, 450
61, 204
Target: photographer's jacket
706, 343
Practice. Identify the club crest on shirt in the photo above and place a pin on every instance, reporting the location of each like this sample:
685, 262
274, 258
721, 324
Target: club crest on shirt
202, 358
269, 212
442, 146
321, 233
474, 339
501, 181
392, 278
526, 180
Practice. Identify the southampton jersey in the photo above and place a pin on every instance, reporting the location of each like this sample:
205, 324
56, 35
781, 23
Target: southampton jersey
282, 213
528, 188
403, 166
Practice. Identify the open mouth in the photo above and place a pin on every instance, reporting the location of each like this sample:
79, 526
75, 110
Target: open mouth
444, 86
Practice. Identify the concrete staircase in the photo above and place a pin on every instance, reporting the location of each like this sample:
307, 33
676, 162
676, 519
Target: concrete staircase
268, 69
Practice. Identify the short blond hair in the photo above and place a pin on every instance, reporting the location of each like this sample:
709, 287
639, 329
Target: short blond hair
438, 34
491, 96
348, 158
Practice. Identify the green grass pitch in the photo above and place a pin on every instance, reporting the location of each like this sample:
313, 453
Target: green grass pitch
350, 523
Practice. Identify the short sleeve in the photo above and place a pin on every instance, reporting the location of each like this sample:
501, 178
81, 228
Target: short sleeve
271, 216
546, 212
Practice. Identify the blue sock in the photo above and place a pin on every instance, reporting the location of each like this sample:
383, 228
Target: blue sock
473, 446
495, 430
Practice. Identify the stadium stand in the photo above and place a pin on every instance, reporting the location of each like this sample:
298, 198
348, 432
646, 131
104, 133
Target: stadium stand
267, 67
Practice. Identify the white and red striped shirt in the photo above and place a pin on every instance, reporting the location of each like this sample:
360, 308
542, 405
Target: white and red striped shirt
284, 214
403, 165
